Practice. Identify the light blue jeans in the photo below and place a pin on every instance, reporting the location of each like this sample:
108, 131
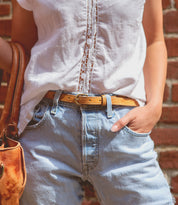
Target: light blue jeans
66, 144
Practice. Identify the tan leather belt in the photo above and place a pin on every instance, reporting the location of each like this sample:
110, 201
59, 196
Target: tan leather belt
82, 99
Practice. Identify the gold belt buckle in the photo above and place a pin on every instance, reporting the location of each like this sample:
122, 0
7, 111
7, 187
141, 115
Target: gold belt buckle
77, 98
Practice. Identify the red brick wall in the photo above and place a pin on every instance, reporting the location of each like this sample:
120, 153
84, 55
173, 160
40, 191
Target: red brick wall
165, 134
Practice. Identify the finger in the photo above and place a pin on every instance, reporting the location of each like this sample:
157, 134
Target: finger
121, 123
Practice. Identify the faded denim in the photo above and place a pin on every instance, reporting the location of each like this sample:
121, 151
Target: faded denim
65, 144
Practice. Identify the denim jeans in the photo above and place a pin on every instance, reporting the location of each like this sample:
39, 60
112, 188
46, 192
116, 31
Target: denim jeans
66, 144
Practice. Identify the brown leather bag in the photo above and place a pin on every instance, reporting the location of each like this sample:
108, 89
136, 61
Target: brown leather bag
12, 163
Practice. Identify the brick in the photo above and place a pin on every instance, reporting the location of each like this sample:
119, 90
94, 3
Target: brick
174, 184
3, 90
166, 4
165, 136
172, 72
4, 9
166, 93
0, 111
172, 46
175, 92
1, 75
171, 22
169, 114
176, 3
90, 195
6, 77
89, 190
5, 27
168, 160
90, 203
95, 203
176, 198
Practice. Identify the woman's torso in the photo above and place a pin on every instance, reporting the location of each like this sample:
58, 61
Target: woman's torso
86, 46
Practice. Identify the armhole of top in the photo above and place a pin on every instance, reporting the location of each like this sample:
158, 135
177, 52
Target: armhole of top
25, 4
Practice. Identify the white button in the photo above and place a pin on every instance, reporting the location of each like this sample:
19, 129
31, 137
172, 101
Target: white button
89, 41
89, 32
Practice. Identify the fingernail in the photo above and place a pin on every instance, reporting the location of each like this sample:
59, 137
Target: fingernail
114, 128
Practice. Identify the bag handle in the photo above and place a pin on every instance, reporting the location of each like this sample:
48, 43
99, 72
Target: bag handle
11, 87
19, 86
10, 114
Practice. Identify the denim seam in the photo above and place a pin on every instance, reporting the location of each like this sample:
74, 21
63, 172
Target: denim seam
128, 130
88, 165
39, 124
141, 135
96, 154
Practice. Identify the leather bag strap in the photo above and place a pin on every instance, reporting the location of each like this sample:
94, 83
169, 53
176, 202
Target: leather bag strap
12, 130
11, 87
19, 85
10, 114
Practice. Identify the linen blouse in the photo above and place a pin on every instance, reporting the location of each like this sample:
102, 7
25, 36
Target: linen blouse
85, 46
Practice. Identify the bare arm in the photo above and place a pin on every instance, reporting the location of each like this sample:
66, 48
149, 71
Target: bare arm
143, 119
24, 31
156, 61
5, 55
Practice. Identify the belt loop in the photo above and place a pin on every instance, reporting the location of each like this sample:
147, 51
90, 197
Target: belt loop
104, 101
109, 106
55, 101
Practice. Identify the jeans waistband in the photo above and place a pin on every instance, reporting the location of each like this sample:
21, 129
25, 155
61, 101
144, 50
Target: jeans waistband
89, 100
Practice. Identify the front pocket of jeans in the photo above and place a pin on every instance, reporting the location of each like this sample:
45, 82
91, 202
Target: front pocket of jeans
39, 115
126, 129
136, 134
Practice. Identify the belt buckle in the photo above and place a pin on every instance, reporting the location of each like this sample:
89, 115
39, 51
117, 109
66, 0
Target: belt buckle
77, 98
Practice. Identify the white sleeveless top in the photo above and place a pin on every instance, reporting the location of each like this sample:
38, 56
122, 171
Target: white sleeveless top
85, 46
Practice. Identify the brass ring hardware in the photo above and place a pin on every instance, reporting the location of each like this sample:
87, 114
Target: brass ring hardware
1, 170
77, 98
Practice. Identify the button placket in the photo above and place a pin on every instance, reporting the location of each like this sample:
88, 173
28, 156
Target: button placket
87, 62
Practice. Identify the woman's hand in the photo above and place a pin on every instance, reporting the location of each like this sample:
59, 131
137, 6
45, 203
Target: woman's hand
139, 119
